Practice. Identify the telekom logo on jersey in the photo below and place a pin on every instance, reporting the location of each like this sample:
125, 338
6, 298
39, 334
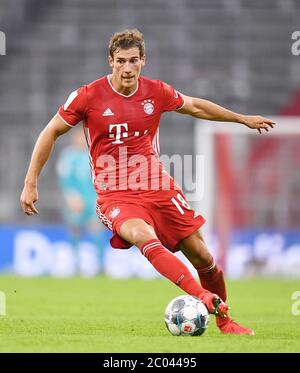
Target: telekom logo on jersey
119, 132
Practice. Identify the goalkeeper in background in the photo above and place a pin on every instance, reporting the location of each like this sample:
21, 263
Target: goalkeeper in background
79, 196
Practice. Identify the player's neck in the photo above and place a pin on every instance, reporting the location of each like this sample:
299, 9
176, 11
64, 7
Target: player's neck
117, 86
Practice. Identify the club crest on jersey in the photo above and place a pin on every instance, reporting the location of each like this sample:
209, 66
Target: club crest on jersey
114, 212
148, 106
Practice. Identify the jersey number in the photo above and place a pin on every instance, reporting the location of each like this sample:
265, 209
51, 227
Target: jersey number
182, 201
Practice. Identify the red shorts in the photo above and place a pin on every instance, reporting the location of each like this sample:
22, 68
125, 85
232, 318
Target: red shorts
167, 211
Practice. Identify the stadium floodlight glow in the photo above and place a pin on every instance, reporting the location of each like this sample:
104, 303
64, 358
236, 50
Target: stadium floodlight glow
2, 43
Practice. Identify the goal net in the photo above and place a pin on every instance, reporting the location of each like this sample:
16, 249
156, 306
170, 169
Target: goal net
251, 195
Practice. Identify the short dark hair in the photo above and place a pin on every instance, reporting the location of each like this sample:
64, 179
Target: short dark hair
127, 39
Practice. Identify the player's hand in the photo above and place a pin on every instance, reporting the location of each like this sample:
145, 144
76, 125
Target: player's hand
28, 197
258, 122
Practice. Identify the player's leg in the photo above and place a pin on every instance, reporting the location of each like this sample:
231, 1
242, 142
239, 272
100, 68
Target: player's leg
137, 231
142, 235
211, 277
210, 274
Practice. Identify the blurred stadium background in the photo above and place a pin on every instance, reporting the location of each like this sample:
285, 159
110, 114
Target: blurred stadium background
236, 53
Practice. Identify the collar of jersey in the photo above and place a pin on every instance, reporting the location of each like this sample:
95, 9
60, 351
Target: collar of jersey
121, 94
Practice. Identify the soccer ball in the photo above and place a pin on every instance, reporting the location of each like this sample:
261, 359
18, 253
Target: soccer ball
186, 315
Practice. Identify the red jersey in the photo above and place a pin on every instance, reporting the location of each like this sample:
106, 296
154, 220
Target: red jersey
122, 132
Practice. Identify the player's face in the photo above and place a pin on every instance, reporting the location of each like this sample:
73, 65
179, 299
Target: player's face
126, 68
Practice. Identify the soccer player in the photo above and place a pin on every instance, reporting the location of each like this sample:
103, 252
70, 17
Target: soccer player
137, 200
79, 196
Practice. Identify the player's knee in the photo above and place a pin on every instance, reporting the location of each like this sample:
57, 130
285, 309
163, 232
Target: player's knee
137, 232
201, 258
196, 251
141, 236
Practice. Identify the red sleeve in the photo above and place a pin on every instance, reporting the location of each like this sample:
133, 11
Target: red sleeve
172, 99
73, 111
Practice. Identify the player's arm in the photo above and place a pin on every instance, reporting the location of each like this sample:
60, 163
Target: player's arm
41, 152
204, 109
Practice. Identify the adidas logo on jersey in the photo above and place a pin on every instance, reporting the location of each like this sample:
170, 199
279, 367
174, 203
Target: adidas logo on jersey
107, 113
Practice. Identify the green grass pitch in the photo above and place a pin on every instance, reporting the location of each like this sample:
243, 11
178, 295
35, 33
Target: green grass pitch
105, 315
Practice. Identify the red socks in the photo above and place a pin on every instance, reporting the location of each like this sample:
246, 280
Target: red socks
171, 267
212, 279
168, 265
